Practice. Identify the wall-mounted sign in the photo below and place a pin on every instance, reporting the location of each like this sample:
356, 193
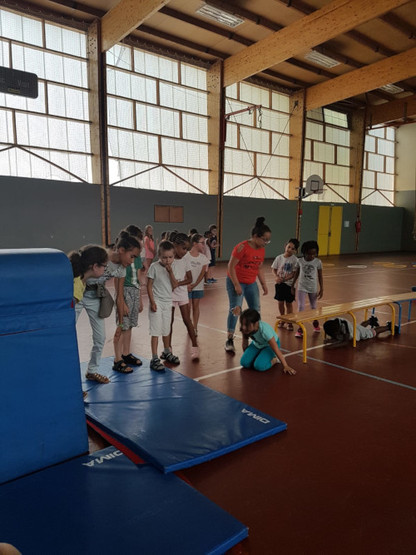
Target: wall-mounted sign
21, 83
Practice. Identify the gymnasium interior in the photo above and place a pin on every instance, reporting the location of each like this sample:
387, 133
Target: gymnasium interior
182, 114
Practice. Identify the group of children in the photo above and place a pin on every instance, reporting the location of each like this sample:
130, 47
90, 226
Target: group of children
307, 271
175, 278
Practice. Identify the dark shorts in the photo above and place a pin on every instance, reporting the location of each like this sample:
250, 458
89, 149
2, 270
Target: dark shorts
283, 293
195, 294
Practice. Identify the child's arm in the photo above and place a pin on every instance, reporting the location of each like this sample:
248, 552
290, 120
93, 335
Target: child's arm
187, 279
274, 346
173, 281
321, 284
122, 308
340, 342
295, 279
191, 286
245, 342
152, 303
233, 275
277, 278
262, 280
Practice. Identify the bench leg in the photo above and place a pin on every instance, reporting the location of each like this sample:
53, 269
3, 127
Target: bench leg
393, 317
354, 328
304, 341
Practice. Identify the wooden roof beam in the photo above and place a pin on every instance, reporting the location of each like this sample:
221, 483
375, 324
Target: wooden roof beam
337, 17
124, 18
388, 70
402, 108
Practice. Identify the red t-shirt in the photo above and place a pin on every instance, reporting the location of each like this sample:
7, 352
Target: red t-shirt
249, 262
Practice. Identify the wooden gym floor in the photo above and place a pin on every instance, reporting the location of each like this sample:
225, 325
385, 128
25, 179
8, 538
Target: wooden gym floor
342, 478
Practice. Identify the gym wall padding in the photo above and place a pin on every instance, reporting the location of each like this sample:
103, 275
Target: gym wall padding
42, 419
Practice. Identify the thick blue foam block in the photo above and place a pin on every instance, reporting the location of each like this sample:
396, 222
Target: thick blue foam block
173, 421
42, 420
104, 504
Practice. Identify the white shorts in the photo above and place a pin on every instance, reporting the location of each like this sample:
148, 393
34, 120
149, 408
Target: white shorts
365, 332
159, 321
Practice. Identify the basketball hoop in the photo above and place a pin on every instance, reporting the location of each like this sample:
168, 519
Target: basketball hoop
314, 185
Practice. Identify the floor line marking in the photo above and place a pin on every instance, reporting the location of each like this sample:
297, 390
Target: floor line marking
218, 373
378, 378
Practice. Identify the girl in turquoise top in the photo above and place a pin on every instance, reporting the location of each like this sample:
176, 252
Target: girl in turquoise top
263, 351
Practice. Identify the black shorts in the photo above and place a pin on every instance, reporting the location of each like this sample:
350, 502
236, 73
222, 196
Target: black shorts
284, 293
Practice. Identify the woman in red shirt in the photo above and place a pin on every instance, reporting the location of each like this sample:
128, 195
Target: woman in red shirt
244, 267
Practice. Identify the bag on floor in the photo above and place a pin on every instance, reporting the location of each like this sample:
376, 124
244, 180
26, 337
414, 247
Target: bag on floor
106, 301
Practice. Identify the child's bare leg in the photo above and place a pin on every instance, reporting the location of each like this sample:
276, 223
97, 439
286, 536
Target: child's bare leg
153, 343
289, 310
281, 305
195, 312
171, 327
166, 342
118, 343
381, 329
126, 342
187, 321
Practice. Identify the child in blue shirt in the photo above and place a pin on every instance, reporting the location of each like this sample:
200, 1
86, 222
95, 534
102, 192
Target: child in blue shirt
263, 351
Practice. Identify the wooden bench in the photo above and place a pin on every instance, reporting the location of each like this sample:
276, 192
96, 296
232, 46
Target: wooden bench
326, 312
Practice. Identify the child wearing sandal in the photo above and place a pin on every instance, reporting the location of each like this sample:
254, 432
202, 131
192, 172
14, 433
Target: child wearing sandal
134, 303
284, 269
160, 282
121, 256
183, 275
264, 349
199, 265
88, 262
311, 283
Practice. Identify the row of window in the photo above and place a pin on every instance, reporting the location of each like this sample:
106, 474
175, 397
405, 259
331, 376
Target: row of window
158, 124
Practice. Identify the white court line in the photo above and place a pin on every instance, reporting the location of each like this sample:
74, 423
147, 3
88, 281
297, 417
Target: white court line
218, 373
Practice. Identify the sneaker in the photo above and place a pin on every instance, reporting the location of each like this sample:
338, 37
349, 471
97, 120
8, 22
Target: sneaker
299, 333
290, 327
194, 353
373, 321
156, 365
281, 324
316, 327
213, 280
229, 345
396, 328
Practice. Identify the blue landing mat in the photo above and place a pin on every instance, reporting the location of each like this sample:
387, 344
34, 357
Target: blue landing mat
170, 420
103, 504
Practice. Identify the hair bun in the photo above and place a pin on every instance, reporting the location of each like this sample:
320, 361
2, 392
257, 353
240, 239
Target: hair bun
260, 221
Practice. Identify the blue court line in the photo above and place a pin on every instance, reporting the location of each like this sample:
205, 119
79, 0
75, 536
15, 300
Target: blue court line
363, 374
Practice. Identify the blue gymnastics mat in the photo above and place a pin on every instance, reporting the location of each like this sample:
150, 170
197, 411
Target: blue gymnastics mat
103, 504
170, 420
42, 420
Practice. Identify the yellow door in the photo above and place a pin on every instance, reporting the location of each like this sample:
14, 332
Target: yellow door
335, 227
323, 229
329, 230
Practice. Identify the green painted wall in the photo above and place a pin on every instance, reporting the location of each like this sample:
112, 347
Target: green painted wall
41, 213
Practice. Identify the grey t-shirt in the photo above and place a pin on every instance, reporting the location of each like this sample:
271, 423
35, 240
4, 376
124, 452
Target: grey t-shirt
162, 287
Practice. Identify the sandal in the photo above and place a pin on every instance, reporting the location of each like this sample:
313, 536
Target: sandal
122, 367
131, 359
96, 377
156, 365
290, 327
170, 357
